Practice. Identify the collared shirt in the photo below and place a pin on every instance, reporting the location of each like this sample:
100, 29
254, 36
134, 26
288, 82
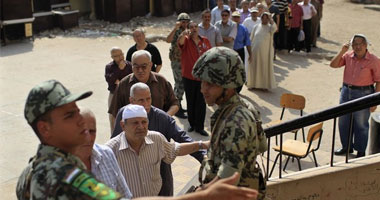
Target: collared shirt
142, 170
105, 168
244, 15
242, 38
113, 73
216, 13
227, 30
360, 72
297, 14
161, 122
190, 54
51, 174
212, 34
307, 14
161, 91
156, 56
249, 23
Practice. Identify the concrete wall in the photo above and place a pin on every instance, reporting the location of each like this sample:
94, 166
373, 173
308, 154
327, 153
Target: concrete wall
357, 180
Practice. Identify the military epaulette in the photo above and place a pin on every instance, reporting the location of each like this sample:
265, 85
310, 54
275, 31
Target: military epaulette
88, 185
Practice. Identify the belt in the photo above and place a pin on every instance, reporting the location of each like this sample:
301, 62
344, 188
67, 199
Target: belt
358, 87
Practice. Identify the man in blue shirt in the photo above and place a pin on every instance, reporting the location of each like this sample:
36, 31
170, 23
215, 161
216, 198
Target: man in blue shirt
242, 40
161, 122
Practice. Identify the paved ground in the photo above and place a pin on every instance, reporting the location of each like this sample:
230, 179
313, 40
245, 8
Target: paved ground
79, 64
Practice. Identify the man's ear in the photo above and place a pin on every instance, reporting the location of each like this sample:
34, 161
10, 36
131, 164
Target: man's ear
122, 124
130, 99
44, 130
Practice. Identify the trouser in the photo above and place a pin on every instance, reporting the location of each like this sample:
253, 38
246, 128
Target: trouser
110, 117
307, 31
178, 82
360, 124
241, 53
314, 30
293, 39
196, 106
282, 37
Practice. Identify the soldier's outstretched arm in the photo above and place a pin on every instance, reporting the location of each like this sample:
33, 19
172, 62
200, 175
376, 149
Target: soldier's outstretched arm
222, 189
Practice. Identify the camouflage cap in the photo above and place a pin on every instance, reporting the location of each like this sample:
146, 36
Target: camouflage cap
183, 16
221, 66
46, 96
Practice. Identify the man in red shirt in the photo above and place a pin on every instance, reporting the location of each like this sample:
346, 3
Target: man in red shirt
295, 26
192, 46
361, 72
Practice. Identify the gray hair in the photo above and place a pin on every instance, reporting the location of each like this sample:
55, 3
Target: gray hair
139, 30
115, 49
138, 86
141, 53
85, 112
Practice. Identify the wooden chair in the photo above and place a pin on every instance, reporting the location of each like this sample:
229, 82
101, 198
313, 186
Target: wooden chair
298, 149
290, 101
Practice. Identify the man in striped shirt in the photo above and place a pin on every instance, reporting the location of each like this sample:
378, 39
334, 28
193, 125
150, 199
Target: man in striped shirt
282, 29
139, 152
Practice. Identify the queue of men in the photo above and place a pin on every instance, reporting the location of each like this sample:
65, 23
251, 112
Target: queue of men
208, 64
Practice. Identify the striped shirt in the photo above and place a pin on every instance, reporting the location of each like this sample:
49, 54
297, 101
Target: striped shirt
281, 4
142, 171
105, 168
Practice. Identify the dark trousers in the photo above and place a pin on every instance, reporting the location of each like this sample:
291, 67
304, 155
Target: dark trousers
293, 39
282, 33
242, 56
196, 106
307, 30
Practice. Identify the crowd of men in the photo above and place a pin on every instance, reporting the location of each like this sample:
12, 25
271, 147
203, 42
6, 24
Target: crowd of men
210, 61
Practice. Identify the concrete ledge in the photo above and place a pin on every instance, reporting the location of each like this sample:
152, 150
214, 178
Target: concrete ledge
359, 179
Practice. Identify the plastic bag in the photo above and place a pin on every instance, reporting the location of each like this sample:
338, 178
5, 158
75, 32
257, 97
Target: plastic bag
301, 36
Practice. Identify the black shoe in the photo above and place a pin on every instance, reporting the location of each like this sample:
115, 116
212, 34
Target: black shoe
360, 154
181, 114
202, 132
342, 151
190, 129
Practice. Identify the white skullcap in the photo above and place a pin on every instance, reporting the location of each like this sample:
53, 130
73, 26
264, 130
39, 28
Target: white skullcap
133, 110
361, 36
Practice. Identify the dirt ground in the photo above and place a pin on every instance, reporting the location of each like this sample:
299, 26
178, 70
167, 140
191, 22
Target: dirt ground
78, 62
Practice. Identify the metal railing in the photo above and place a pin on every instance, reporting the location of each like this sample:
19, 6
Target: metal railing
313, 118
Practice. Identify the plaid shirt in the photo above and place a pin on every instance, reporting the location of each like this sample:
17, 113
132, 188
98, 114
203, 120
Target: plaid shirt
105, 168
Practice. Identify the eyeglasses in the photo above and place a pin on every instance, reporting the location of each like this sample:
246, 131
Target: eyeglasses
193, 26
142, 67
225, 15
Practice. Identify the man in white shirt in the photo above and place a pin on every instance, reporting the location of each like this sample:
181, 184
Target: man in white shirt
139, 152
216, 12
308, 12
206, 29
252, 21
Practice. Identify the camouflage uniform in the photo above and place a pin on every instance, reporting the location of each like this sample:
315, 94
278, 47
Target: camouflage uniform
175, 58
237, 136
53, 173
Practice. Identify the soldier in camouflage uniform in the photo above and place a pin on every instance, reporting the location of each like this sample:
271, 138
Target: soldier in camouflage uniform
175, 57
55, 173
236, 133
